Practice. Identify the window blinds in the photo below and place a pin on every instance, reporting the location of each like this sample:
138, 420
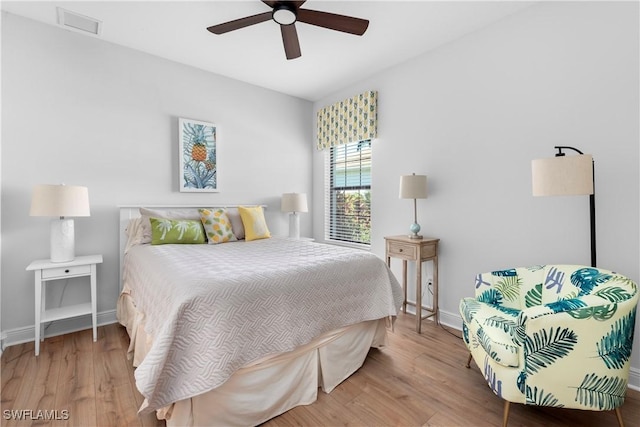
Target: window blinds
348, 193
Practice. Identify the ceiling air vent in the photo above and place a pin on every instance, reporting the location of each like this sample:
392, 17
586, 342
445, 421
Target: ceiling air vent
77, 22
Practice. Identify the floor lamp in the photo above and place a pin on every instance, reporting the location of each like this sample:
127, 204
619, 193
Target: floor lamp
567, 176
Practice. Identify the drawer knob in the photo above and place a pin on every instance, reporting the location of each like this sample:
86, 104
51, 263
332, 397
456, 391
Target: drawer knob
67, 270
400, 250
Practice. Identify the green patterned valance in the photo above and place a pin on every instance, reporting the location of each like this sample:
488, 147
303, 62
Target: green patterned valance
354, 119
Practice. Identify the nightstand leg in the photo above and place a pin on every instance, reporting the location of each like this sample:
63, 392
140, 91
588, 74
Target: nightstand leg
418, 296
38, 308
94, 309
404, 286
435, 289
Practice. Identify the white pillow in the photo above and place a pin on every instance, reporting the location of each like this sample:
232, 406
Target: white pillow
236, 222
134, 233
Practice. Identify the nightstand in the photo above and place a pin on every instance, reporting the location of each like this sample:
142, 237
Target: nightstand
46, 271
418, 250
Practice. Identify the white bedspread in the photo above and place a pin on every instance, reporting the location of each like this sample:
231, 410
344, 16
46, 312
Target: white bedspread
212, 309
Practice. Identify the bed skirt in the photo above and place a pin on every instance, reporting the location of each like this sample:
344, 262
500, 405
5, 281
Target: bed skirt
270, 386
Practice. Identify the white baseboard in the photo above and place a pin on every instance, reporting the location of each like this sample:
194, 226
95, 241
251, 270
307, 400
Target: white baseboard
59, 327
455, 321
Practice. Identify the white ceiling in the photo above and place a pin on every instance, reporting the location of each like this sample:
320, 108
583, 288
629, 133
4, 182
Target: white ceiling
331, 60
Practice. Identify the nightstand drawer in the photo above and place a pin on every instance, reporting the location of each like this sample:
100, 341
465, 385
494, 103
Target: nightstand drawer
61, 272
401, 250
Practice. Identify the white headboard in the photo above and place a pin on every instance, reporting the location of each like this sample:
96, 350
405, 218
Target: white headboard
129, 212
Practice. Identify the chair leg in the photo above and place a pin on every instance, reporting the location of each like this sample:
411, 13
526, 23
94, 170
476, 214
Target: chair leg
505, 414
468, 365
619, 416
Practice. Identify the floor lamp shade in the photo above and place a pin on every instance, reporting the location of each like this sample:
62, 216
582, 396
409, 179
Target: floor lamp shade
414, 187
294, 203
562, 176
60, 201
568, 176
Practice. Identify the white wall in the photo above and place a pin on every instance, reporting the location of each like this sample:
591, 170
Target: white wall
78, 110
473, 114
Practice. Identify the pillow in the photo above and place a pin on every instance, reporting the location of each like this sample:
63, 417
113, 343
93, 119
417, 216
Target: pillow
236, 222
186, 231
185, 213
134, 233
217, 226
255, 227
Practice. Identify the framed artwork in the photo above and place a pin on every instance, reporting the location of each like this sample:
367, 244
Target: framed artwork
198, 156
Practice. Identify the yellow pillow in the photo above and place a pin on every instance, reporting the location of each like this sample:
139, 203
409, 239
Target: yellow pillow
255, 227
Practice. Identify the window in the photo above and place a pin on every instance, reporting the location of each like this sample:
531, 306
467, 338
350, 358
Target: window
348, 193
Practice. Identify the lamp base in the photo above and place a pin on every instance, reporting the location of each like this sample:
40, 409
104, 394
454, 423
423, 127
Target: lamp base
62, 240
415, 228
294, 225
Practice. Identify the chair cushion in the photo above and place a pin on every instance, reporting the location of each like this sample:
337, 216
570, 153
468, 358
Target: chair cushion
493, 329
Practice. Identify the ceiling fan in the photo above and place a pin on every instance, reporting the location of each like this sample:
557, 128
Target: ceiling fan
287, 13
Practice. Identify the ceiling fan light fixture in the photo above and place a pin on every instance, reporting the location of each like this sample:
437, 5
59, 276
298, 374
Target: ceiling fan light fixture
284, 14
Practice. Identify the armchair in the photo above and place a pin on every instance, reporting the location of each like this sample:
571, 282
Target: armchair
554, 335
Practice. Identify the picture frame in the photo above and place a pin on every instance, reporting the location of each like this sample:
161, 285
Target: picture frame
198, 148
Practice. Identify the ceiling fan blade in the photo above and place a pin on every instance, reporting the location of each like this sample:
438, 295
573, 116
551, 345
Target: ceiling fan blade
240, 23
346, 24
269, 3
290, 40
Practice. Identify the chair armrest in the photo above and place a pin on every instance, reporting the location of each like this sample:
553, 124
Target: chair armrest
592, 331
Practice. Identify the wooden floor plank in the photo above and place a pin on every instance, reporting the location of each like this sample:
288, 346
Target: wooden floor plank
113, 383
16, 383
417, 380
76, 393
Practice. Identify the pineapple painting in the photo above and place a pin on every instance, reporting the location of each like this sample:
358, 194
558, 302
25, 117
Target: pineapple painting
198, 156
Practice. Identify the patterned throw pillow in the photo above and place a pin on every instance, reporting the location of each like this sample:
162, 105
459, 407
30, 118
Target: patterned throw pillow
165, 231
217, 226
255, 226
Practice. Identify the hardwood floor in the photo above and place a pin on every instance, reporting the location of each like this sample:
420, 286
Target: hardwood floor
418, 380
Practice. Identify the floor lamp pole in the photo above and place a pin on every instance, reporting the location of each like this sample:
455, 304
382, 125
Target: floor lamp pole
592, 203
592, 216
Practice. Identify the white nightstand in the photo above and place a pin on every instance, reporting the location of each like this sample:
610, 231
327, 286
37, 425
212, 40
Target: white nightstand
46, 271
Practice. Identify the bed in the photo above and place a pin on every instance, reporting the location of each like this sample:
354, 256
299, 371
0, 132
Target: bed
239, 332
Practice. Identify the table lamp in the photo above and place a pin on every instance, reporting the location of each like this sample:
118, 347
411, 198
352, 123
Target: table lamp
294, 203
60, 201
414, 187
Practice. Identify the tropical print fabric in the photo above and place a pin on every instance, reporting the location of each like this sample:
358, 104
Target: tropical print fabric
554, 335
185, 231
217, 226
351, 120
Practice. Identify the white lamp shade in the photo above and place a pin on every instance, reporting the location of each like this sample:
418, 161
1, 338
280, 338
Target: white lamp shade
413, 186
59, 201
294, 202
562, 176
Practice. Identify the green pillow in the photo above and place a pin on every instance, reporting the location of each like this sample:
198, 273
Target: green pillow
164, 231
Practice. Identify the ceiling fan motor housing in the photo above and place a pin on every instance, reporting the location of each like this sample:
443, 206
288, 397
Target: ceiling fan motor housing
284, 14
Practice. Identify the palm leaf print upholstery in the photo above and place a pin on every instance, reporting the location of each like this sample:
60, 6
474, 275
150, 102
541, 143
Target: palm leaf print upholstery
553, 335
